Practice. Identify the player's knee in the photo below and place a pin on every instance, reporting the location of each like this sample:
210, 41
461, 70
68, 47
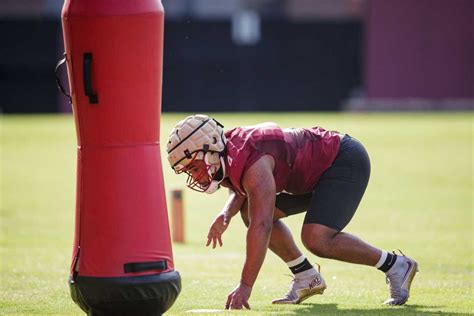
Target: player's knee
319, 248
319, 243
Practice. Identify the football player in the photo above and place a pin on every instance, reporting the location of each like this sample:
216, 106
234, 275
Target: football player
272, 173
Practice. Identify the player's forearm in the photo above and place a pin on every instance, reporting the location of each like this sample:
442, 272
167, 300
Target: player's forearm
233, 204
258, 237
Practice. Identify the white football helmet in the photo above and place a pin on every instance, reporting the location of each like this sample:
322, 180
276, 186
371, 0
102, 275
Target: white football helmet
198, 137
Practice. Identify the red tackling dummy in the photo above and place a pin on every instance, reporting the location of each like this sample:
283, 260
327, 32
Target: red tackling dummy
122, 248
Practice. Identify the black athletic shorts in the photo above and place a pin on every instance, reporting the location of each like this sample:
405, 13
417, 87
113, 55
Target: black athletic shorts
338, 192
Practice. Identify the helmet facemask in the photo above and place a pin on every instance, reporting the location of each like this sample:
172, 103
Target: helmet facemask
210, 176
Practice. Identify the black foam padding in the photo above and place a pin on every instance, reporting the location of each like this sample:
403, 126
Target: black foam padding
137, 295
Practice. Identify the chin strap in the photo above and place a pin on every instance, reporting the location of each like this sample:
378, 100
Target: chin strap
212, 187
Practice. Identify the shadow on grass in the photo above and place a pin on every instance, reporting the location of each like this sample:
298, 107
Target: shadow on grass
332, 309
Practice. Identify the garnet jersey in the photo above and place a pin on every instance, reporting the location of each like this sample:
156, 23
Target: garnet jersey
301, 154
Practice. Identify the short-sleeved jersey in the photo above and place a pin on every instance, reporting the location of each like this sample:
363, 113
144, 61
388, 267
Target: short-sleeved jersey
301, 154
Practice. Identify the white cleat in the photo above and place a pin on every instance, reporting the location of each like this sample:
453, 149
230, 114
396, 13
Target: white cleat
399, 277
301, 289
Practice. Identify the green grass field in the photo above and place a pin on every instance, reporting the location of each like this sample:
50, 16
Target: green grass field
420, 200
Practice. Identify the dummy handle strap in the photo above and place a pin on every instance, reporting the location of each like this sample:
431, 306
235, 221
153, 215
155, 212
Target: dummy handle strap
145, 266
58, 80
87, 69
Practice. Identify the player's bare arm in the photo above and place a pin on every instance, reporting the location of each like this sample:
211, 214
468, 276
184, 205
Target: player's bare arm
261, 199
222, 220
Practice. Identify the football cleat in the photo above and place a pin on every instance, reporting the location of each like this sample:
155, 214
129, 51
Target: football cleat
399, 277
301, 289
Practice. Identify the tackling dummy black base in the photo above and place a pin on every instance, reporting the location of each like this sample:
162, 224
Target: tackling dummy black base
139, 295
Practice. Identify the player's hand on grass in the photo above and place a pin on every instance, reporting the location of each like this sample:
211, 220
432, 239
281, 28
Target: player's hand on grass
239, 297
217, 228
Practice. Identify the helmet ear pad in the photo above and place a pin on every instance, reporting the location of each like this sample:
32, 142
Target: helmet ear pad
212, 158
213, 163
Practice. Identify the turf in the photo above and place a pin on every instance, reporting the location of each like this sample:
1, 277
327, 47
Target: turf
420, 200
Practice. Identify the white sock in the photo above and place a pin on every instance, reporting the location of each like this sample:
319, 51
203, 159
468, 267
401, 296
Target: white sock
295, 262
302, 275
382, 259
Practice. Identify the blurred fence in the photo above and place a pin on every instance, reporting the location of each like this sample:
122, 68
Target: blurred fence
29, 52
271, 55
294, 66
